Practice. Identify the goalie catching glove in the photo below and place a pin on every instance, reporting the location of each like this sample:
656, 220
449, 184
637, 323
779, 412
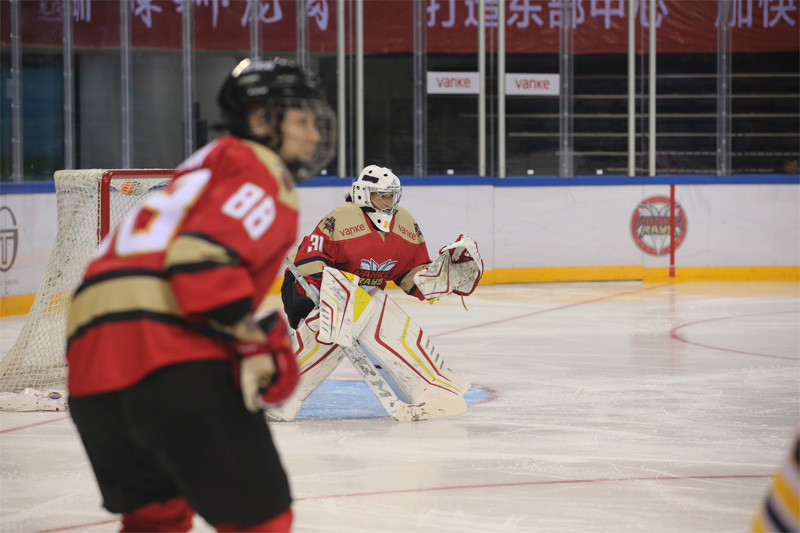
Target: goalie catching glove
268, 373
457, 269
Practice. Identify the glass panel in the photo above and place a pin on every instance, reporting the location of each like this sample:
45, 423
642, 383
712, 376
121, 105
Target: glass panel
388, 85
98, 89
532, 112
42, 92
601, 90
765, 85
157, 85
686, 110
452, 101
6, 157
221, 39
321, 20
453, 118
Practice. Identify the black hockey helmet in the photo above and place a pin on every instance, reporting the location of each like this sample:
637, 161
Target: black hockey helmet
276, 84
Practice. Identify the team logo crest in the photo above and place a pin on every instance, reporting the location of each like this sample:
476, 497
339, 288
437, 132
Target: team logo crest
416, 228
371, 264
374, 273
329, 223
650, 225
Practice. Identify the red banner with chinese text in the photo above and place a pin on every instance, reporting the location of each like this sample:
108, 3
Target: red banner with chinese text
532, 26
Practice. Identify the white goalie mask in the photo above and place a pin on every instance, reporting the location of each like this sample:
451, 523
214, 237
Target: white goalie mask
377, 192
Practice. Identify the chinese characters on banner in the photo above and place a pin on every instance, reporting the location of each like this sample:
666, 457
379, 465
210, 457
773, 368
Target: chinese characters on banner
532, 26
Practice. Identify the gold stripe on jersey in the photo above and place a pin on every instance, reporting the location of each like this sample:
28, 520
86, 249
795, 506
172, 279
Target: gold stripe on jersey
118, 295
191, 249
780, 509
406, 227
787, 496
407, 283
312, 267
348, 223
287, 194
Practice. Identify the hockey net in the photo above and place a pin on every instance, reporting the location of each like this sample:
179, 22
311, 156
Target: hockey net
89, 203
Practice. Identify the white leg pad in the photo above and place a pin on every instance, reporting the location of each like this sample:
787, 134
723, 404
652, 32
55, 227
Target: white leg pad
405, 357
316, 360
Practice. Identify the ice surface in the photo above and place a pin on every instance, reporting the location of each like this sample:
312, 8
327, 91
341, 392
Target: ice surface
602, 407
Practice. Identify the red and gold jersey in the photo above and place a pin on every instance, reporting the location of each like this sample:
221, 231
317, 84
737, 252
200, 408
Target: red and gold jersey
210, 245
346, 239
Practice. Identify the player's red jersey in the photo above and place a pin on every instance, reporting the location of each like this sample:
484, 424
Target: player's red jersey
346, 239
210, 245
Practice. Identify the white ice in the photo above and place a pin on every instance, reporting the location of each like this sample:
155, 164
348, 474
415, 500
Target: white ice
615, 407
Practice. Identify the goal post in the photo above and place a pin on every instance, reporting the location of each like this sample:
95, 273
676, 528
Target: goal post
89, 204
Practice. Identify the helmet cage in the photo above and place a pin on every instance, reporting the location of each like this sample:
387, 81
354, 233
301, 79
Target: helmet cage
390, 198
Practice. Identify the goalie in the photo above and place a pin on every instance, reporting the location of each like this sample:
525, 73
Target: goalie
335, 301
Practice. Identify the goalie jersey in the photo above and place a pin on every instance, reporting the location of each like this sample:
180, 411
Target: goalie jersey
346, 239
208, 247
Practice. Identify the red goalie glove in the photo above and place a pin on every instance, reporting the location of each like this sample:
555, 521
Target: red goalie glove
269, 372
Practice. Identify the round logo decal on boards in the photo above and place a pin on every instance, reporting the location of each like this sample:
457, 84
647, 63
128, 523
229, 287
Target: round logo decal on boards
650, 225
9, 238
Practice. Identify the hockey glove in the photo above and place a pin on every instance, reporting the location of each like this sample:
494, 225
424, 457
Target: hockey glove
269, 372
457, 269
466, 265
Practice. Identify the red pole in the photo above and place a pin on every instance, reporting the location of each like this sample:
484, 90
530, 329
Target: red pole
672, 230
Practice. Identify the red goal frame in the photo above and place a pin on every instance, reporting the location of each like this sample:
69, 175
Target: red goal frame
104, 193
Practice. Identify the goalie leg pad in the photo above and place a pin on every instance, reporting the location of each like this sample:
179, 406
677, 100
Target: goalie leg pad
342, 303
405, 357
317, 361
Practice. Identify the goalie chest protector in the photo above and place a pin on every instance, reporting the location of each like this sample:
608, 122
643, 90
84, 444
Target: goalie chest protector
350, 242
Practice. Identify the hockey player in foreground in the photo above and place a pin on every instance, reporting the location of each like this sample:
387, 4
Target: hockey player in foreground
168, 368
333, 296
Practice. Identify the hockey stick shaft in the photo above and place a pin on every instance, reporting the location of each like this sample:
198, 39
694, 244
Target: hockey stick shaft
301, 280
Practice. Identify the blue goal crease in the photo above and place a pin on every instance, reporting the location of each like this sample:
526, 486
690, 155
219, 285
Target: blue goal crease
339, 400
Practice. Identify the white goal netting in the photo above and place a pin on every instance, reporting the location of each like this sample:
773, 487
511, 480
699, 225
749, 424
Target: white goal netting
89, 203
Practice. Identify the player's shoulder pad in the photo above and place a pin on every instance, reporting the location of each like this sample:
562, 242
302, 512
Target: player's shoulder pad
345, 222
407, 227
277, 171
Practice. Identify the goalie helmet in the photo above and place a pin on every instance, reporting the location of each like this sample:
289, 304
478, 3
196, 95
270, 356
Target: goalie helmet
377, 192
276, 85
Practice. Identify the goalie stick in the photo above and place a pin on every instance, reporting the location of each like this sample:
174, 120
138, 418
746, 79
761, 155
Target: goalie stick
397, 409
